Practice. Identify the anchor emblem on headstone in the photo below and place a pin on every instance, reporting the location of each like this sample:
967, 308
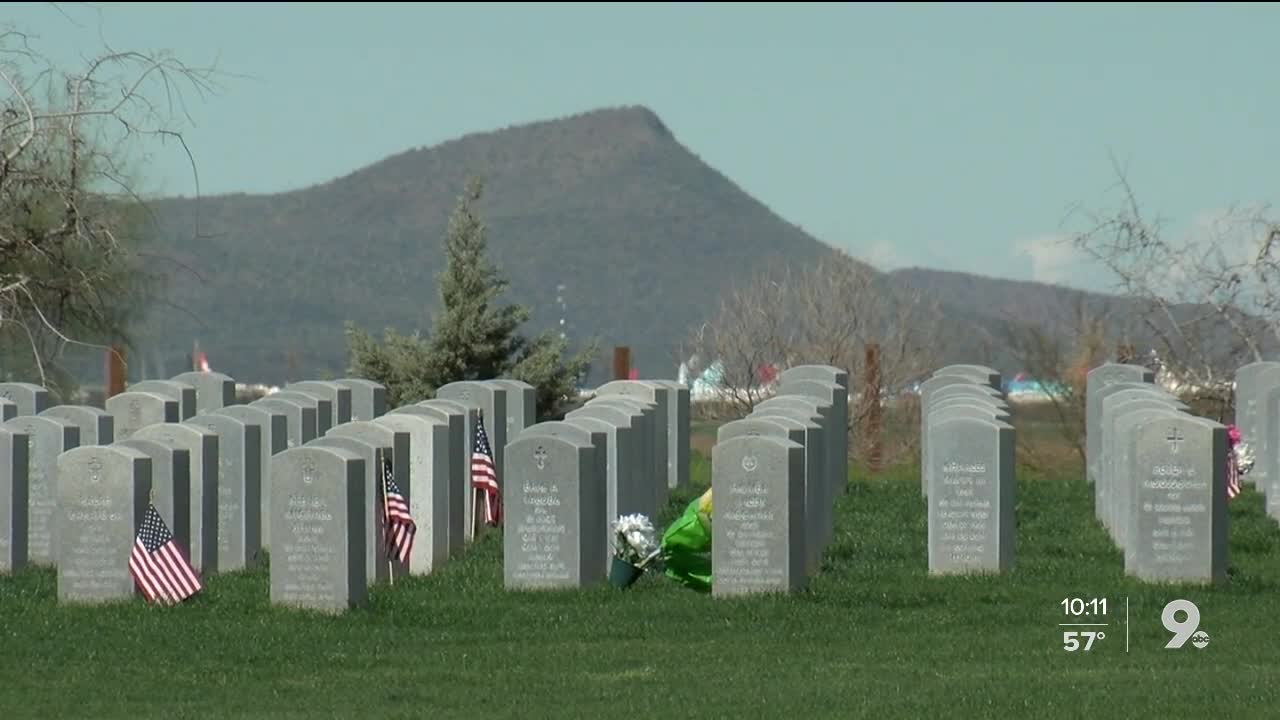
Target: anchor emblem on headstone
540, 457
1175, 439
750, 463
308, 470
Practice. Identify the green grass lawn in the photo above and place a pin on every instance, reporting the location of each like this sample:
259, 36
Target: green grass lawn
873, 636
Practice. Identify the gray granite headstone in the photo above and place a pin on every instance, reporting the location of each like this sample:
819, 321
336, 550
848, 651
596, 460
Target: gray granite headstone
300, 420
395, 447
813, 495
462, 428
838, 402
927, 390
678, 429
13, 501
1253, 383
831, 375
758, 537
1271, 488
8, 410
378, 567
522, 405
981, 373
644, 419
202, 447
214, 391
1180, 511
183, 393
491, 401
633, 496
318, 499
1107, 503
322, 406
553, 511
1125, 470
47, 438
132, 411
458, 421
431, 472
239, 490
972, 496
596, 489
959, 408
822, 413
273, 437
170, 487
30, 399
102, 498
660, 398
368, 398
338, 395
815, 463
615, 493
1099, 379
97, 426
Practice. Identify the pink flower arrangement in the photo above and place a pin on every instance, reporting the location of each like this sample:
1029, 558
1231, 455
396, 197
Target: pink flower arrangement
1233, 435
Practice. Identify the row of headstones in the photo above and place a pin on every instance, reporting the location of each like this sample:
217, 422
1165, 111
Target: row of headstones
1257, 404
967, 450
776, 476
567, 481
1159, 475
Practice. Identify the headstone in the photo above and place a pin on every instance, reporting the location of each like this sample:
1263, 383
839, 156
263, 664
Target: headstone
1125, 470
214, 391
97, 426
1271, 488
980, 373
522, 405
132, 411
378, 568
461, 497
1180, 511
829, 374
430, 504
322, 406
966, 390
813, 496
338, 395
30, 399
1096, 381
823, 413
273, 437
553, 510
815, 463
838, 401
757, 539
395, 448
661, 398
616, 498
644, 418
13, 501
368, 398
318, 499
203, 448
184, 394
971, 496
1253, 383
170, 487
47, 438
595, 488
633, 495
8, 410
1107, 502
300, 420
678, 430
927, 390
239, 490
101, 498
491, 401
948, 410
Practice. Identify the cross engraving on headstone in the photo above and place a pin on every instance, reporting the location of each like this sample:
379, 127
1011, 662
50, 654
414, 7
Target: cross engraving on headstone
95, 470
540, 457
1175, 439
308, 470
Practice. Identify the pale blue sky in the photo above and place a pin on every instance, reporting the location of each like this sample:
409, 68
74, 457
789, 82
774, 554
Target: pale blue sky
946, 136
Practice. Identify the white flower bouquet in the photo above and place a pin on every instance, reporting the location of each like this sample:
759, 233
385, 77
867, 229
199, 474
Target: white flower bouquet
634, 547
1244, 458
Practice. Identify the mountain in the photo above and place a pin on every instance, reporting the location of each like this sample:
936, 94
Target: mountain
642, 235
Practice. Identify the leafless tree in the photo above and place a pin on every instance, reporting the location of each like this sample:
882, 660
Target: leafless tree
1207, 302
70, 212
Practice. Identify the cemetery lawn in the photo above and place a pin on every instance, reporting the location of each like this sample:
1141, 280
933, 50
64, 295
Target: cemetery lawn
874, 636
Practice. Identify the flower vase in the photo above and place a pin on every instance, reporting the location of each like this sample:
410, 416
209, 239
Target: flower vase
623, 574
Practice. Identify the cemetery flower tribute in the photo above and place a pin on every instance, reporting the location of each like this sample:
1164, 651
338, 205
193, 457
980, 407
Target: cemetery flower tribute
633, 549
1239, 460
686, 546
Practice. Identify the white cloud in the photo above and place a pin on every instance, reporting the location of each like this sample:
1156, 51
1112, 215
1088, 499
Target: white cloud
1052, 258
883, 255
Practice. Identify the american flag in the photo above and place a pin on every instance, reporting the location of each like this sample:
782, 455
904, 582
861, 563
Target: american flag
157, 565
1233, 476
401, 528
484, 475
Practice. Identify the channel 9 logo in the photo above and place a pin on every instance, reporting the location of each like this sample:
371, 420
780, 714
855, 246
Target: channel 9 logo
1188, 628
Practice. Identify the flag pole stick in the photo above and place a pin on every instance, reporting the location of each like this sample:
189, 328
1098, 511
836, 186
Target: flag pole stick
476, 495
386, 519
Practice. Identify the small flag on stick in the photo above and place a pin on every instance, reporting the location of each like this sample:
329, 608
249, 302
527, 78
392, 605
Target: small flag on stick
484, 475
401, 528
157, 565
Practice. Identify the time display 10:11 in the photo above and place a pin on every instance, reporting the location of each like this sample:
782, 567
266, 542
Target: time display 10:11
1078, 606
